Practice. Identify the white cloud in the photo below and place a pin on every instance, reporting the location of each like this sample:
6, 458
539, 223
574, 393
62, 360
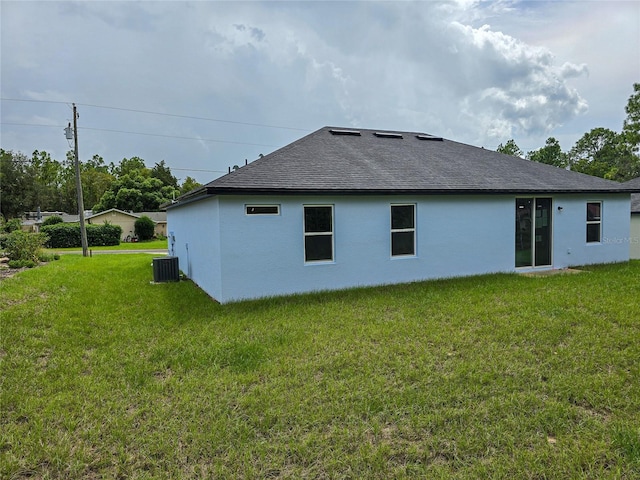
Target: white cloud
473, 71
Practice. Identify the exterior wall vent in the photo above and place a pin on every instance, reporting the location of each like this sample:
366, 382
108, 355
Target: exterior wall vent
429, 137
335, 131
388, 135
165, 269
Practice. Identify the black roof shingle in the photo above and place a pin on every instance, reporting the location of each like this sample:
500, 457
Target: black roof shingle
635, 197
411, 162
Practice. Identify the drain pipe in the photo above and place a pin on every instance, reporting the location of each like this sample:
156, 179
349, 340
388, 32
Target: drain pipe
188, 261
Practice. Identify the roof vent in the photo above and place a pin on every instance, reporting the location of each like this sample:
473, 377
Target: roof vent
335, 131
428, 137
388, 135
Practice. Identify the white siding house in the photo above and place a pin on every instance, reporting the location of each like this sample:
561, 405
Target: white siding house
345, 208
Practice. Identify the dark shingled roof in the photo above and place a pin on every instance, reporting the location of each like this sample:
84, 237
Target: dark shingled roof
635, 197
374, 162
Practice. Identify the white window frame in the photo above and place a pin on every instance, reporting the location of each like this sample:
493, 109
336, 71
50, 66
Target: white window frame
400, 230
593, 222
311, 234
255, 205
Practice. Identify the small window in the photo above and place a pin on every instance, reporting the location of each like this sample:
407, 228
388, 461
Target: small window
594, 222
318, 233
263, 209
403, 230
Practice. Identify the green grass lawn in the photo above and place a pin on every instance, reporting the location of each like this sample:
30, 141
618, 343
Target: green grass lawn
147, 245
105, 375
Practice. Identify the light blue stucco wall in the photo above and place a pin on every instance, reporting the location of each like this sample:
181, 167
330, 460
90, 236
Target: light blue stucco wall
264, 255
235, 256
569, 227
196, 243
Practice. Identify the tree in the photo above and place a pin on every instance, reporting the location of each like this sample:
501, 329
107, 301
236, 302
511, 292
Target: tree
631, 126
95, 182
163, 173
131, 166
551, 154
129, 199
137, 190
46, 179
15, 184
604, 153
510, 148
188, 185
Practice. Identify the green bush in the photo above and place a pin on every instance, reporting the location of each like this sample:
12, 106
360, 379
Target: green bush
66, 235
21, 263
23, 246
53, 220
103, 235
12, 225
49, 257
62, 235
144, 228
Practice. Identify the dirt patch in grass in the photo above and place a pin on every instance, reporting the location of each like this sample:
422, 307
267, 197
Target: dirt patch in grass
7, 272
557, 271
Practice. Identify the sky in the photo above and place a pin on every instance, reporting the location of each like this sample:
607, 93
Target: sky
208, 85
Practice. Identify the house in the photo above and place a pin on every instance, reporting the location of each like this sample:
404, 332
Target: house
342, 208
32, 221
634, 238
127, 220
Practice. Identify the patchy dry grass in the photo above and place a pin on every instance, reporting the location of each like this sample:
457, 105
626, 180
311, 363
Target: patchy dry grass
105, 375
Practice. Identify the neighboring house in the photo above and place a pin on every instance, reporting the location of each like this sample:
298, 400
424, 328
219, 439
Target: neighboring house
127, 220
160, 219
32, 221
634, 238
343, 208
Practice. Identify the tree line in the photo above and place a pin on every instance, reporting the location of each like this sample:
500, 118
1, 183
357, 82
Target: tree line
600, 152
39, 181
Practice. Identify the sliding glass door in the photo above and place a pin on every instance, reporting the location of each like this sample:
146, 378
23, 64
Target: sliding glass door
533, 232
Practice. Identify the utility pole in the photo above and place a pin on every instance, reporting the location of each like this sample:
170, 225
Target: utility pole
83, 229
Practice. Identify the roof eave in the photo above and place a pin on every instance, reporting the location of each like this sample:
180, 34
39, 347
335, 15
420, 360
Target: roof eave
190, 197
404, 191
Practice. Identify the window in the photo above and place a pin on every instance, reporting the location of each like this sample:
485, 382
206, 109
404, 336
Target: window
403, 230
262, 209
594, 222
318, 233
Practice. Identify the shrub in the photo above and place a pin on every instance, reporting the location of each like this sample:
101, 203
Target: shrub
12, 225
103, 235
48, 257
23, 246
53, 220
65, 235
21, 263
144, 228
62, 235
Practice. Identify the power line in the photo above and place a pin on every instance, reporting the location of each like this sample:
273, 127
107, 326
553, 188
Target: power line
197, 170
34, 101
177, 136
190, 117
145, 134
